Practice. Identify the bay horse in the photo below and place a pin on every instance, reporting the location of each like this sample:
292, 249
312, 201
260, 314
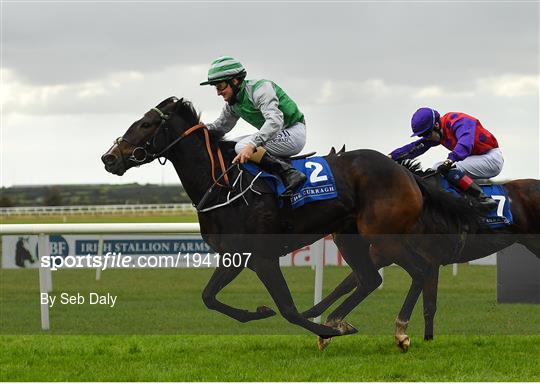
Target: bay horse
524, 197
379, 204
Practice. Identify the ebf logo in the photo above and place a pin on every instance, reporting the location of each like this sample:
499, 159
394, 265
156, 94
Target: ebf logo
58, 246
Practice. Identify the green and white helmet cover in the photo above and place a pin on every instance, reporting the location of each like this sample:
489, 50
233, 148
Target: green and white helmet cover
224, 68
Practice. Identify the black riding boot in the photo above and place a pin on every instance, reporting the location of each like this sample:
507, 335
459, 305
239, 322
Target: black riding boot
292, 179
484, 200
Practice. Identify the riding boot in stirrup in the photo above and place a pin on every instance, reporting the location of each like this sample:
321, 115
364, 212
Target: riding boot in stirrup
485, 201
292, 178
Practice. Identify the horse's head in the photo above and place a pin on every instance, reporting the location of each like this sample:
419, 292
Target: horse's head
152, 136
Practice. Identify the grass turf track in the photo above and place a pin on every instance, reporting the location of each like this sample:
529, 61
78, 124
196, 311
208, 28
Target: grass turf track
267, 358
176, 338
476, 339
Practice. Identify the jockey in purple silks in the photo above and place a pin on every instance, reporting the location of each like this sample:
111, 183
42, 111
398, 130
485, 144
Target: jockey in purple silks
474, 150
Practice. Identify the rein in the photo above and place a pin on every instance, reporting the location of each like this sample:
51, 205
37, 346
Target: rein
211, 154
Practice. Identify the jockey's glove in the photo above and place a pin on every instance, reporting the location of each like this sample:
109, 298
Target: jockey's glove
445, 167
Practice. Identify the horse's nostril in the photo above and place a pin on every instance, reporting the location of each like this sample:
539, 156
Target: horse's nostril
108, 159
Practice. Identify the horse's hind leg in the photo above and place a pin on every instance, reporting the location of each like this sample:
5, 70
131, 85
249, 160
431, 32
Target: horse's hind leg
220, 278
402, 320
420, 275
270, 274
355, 250
429, 294
346, 286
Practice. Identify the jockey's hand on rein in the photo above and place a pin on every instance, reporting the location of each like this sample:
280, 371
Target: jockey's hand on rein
445, 167
244, 154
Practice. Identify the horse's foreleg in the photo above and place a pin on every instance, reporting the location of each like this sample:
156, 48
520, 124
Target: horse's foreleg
402, 321
271, 276
220, 278
429, 293
346, 286
420, 275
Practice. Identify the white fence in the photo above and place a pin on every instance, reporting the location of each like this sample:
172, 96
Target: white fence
120, 209
43, 230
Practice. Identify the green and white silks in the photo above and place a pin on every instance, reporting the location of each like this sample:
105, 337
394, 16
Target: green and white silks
263, 104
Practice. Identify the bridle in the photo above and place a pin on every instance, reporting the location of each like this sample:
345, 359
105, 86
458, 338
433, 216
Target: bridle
143, 154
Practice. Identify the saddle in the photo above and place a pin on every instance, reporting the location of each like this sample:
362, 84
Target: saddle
244, 178
298, 157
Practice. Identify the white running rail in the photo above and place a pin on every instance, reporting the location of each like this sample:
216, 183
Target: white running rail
96, 209
44, 230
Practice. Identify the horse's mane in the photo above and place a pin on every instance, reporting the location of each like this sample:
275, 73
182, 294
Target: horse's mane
186, 109
414, 166
442, 210
183, 108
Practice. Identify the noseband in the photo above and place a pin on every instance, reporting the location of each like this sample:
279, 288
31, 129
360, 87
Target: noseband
148, 156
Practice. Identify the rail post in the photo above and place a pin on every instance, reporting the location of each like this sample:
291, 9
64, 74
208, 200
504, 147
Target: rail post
45, 281
318, 258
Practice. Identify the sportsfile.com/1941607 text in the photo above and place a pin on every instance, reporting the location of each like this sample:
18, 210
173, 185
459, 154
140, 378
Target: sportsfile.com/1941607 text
114, 260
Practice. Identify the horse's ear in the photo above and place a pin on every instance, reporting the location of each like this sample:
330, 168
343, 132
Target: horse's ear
179, 105
167, 101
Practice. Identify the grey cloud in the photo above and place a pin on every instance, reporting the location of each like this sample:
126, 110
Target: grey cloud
375, 56
58, 43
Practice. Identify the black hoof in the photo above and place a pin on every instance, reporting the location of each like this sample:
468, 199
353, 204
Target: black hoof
428, 337
265, 311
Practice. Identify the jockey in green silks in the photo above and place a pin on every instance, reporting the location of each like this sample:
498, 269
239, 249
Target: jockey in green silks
264, 105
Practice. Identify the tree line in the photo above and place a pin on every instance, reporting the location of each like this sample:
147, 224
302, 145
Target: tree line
98, 194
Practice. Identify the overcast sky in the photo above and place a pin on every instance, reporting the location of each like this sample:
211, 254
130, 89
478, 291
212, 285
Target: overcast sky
75, 75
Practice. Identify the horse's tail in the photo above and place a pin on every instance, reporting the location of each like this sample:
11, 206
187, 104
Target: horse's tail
446, 213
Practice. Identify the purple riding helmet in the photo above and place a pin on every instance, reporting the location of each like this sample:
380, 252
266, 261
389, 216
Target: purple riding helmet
423, 120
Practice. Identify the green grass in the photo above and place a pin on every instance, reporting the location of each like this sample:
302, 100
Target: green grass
160, 330
266, 358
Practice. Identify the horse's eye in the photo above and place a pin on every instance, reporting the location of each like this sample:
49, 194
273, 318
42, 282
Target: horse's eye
145, 125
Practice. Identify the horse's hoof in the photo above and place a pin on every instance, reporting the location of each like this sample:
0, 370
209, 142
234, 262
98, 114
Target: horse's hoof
403, 342
341, 326
428, 337
323, 343
265, 311
346, 328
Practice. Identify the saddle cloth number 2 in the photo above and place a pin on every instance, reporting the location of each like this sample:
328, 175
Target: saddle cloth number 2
315, 176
